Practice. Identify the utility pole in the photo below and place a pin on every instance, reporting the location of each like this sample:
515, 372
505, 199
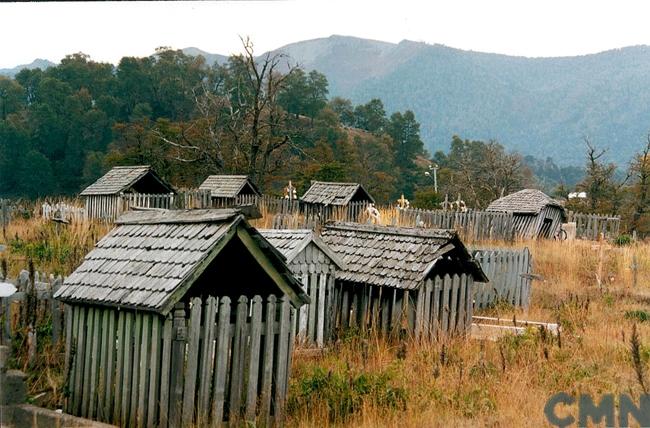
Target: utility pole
433, 167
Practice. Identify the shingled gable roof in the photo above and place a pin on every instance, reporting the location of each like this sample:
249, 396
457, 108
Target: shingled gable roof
151, 259
120, 178
291, 242
527, 201
330, 193
227, 186
393, 256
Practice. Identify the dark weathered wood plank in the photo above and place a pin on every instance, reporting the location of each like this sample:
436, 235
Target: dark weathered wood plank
191, 368
254, 359
268, 361
207, 350
221, 362
165, 367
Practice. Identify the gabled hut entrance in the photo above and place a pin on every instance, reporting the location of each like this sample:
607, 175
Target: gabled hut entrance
160, 332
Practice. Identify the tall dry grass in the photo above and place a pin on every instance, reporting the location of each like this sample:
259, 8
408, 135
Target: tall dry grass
464, 382
55, 248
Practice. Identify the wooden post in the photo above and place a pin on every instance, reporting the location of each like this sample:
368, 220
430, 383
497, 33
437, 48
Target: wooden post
177, 365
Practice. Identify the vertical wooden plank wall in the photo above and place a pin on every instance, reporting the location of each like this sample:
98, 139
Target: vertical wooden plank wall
508, 272
440, 307
316, 272
209, 361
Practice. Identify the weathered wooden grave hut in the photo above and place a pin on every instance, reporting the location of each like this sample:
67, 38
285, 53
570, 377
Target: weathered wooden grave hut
315, 265
172, 320
230, 190
327, 199
402, 279
104, 198
535, 214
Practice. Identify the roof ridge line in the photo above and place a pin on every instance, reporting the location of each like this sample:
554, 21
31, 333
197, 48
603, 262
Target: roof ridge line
391, 230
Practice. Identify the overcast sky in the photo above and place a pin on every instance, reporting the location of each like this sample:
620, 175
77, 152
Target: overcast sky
108, 31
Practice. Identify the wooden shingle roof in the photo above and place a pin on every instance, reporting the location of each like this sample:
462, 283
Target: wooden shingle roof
395, 257
330, 193
121, 178
152, 258
291, 242
527, 201
228, 186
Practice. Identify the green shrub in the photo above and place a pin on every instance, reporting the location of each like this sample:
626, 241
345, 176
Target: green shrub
622, 240
638, 315
344, 393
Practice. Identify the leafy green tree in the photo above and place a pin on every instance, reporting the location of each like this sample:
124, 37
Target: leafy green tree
405, 132
344, 109
371, 116
12, 97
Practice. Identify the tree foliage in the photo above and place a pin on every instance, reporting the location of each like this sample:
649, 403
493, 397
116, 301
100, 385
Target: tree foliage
61, 128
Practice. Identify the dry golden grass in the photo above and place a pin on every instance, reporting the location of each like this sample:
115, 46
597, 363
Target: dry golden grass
465, 382
369, 382
55, 248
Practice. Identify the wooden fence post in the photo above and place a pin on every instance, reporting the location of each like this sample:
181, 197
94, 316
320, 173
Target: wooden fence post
177, 365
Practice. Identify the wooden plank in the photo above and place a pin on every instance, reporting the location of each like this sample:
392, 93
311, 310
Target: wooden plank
446, 288
453, 308
313, 290
135, 370
267, 364
103, 365
177, 377
154, 374
345, 307
96, 351
304, 311
462, 303
320, 322
87, 355
165, 386
207, 350
128, 365
191, 368
436, 302
237, 365
119, 366
110, 366
282, 358
141, 413
221, 362
69, 328
469, 309
254, 359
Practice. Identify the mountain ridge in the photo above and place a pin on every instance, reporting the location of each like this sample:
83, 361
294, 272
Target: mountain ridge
540, 106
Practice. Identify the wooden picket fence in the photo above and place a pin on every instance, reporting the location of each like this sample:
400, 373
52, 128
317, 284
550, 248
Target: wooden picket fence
63, 211
591, 226
509, 272
210, 360
472, 225
30, 307
439, 308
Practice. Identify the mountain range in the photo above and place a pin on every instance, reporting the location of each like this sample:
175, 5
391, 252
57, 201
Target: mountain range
543, 107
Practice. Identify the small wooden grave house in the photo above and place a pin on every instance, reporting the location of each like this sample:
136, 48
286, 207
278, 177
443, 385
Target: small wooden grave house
172, 320
402, 279
104, 198
315, 265
535, 214
230, 190
327, 198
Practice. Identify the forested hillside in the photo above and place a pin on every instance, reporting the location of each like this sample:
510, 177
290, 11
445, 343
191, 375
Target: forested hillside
61, 128
537, 106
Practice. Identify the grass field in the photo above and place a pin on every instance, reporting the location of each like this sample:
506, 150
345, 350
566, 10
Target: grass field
360, 380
